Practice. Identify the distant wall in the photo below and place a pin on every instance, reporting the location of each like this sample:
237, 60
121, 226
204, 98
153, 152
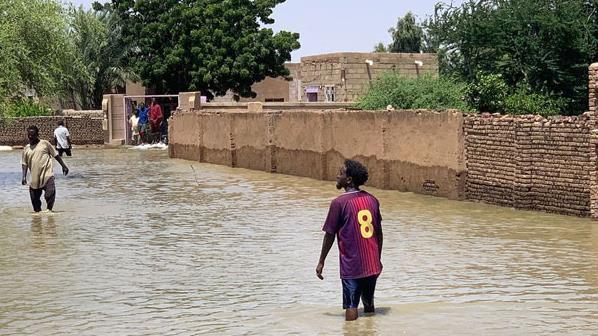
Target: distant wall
419, 151
83, 130
529, 162
270, 89
348, 72
83, 113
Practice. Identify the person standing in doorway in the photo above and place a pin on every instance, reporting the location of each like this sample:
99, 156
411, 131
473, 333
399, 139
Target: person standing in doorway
156, 116
142, 112
37, 158
354, 218
134, 120
62, 139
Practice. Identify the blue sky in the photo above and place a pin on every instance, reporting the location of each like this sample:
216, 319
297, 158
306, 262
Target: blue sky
340, 25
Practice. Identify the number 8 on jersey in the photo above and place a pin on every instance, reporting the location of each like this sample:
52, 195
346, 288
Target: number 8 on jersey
364, 217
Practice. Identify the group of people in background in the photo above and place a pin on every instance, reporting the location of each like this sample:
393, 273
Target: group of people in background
147, 123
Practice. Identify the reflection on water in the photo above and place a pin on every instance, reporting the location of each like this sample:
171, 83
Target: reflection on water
145, 245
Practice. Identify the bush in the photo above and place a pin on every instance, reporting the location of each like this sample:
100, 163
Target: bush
487, 93
24, 108
522, 101
425, 92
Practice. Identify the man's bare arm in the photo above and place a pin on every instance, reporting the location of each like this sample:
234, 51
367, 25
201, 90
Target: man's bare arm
326, 245
24, 179
65, 169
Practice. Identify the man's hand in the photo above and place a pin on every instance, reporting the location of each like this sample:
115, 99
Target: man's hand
319, 269
65, 170
24, 181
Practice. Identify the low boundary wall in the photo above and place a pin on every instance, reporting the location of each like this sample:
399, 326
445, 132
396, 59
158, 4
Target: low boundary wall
525, 162
529, 162
83, 130
418, 151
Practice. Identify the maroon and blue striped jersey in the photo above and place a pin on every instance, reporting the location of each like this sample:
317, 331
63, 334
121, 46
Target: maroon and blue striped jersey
354, 217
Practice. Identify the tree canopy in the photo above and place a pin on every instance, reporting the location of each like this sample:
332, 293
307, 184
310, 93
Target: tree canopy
407, 37
96, 36
544, 46
210, 46
53, 52
34, 48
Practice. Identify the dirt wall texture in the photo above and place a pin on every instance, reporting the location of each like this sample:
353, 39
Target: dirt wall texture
83, 130
418, 151
593, 104
530, 162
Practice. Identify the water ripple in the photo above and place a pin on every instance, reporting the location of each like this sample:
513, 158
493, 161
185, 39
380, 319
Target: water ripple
145, 245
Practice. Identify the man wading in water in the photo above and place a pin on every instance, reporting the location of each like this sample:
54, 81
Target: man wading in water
354, 217
37, 157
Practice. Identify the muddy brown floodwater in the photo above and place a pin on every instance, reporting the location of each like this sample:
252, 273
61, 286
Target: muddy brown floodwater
141, 244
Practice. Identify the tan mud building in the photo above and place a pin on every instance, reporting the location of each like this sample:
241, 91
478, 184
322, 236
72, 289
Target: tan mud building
337, 77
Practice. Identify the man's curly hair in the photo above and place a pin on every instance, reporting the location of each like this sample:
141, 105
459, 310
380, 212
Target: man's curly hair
357, 172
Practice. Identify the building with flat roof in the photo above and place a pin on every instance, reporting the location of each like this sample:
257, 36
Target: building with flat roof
344, 77
337, 77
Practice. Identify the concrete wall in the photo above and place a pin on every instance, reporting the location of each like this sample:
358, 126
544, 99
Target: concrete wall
84, 130
417, 151
529, 162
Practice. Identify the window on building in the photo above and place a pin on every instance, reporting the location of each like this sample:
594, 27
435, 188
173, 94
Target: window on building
330, 93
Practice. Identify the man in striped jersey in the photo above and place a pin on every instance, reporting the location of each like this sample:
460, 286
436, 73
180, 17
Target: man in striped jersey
354, 217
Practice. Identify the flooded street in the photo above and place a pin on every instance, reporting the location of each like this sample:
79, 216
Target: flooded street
144, 245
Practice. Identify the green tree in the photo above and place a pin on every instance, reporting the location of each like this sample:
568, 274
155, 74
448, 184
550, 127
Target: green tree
380, 47
34, 48
407, 36
546, 44
208, 45
100, 54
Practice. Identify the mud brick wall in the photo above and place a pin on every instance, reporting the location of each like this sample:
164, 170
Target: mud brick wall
529, 162
491, 166
593, 106
418, 151
84, 130
348, 72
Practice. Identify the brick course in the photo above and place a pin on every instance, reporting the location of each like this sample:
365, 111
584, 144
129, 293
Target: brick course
530, 162
83, 130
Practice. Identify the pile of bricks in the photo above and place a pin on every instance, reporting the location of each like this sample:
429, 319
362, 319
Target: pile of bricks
83, 130
529, 162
